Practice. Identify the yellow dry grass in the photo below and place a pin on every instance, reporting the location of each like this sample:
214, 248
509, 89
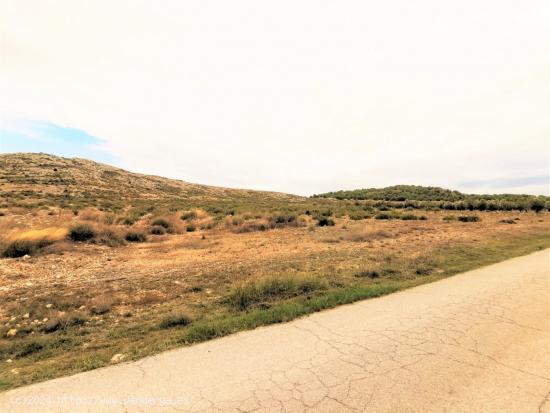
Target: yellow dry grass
50, 234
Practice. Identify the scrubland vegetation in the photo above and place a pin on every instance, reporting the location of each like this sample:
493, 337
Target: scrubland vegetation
88, 272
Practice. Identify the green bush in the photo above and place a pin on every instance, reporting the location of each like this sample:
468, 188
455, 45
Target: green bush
383, 215
449, 218
191, 228
82, 232
134, 236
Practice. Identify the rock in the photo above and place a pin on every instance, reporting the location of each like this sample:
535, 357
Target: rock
82, 307
49, 305
26, 315
117, 358
9, 361
12, 332
26, 256
45, 319
15, 371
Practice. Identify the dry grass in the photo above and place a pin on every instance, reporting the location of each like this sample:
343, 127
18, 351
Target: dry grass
18, 244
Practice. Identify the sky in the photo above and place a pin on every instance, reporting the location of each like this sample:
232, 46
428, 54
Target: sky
294, 96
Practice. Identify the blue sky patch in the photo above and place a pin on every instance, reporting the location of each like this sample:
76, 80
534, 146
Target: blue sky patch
39, 136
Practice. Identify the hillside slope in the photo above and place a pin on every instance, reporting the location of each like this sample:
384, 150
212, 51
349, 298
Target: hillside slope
29, 180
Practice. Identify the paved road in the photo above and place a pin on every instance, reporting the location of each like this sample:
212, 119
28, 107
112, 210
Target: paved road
476, 342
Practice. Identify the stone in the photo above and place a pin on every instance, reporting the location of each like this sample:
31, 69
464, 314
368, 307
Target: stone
117, 358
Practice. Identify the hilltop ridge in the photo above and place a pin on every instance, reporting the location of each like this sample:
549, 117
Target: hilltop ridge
37, 179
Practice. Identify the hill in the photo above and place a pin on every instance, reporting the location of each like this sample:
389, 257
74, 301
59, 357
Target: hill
398, 193
32, 180
37, 180
416, 196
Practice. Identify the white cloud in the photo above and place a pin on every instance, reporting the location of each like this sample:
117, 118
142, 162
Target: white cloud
296, 96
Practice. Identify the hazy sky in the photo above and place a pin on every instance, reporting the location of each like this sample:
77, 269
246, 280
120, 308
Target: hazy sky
295, 96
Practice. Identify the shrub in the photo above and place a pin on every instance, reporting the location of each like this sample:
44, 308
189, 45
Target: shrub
367, 274
21, 247
191, 228
108, 237
449, 218
537, 205
175, 320
30, 348
81, 232
325, 222
189, 215
161, 222
257, 292
409, 217
508, 221
101, 304
469, 218
158, 230
134, 236
63, 322
383, 215
359, 216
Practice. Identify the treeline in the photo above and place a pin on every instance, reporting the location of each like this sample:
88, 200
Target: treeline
433, 198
